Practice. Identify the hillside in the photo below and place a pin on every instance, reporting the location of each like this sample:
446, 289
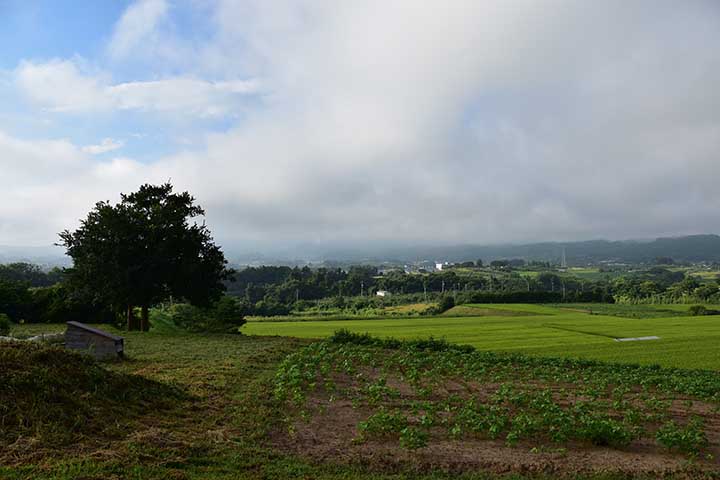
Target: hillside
693, 248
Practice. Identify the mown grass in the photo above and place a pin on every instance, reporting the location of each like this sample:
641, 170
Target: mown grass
52, 396
686, 342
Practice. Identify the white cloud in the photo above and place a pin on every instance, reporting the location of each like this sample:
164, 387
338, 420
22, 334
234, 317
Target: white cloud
105, 145
48, 185
452, 122
181, 94
60, 86
136, 28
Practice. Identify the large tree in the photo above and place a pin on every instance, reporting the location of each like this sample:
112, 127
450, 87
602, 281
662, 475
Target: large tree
144, 250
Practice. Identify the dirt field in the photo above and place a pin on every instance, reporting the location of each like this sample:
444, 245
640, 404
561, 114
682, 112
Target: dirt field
336, 426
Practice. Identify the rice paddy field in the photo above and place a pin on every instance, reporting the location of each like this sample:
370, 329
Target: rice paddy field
577, 331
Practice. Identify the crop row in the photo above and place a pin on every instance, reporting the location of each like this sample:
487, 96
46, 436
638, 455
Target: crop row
461, 393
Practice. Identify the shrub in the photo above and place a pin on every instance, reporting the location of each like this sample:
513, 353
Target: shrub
227, 315
428, 344
446, 303
270, 307
5, 324
697, 310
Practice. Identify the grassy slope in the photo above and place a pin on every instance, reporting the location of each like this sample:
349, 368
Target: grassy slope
216, 435
50, 396
688, 342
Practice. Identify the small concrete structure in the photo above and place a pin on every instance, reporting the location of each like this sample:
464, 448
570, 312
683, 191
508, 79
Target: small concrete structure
101, 345
382, 293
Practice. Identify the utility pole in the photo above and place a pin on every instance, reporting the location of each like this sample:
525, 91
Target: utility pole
443, 286
297, 295
362, 288
425, 290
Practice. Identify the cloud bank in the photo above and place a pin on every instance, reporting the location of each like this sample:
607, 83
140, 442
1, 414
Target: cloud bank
433, 122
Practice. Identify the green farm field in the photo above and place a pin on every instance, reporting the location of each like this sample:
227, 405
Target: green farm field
569, 331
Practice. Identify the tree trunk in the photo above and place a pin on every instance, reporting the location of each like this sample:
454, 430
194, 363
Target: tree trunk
130, 321
144, 319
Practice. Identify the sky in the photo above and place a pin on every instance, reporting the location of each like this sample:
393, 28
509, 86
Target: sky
297, 122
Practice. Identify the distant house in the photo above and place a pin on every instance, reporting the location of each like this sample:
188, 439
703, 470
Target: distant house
382, 293
101, 345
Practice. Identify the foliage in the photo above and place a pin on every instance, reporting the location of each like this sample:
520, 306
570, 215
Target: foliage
689, 439
697, 310
54, 304
446, 303
57, 304
30, 274
226, 315
5, 325
143, 250
15, 300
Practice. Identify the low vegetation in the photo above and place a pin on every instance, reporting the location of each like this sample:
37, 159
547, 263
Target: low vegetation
424, 394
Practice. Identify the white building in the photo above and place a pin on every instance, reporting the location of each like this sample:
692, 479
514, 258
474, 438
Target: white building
439, 266
382, 293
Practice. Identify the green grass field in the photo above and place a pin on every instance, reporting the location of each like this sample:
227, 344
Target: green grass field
687, 342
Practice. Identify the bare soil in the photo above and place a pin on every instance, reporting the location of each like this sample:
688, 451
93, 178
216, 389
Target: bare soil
330, 435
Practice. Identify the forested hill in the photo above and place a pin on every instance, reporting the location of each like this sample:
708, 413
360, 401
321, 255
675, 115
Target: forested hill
689, 248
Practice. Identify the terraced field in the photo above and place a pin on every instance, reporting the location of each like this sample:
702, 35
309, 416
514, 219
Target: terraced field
687, 342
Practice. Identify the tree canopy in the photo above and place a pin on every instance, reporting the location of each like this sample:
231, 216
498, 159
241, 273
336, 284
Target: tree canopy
144, 250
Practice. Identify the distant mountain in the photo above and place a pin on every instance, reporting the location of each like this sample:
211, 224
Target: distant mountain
693, 248
49, 256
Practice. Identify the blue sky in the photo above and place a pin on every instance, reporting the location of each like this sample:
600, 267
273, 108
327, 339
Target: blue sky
50, 29
305, 121
82, 32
